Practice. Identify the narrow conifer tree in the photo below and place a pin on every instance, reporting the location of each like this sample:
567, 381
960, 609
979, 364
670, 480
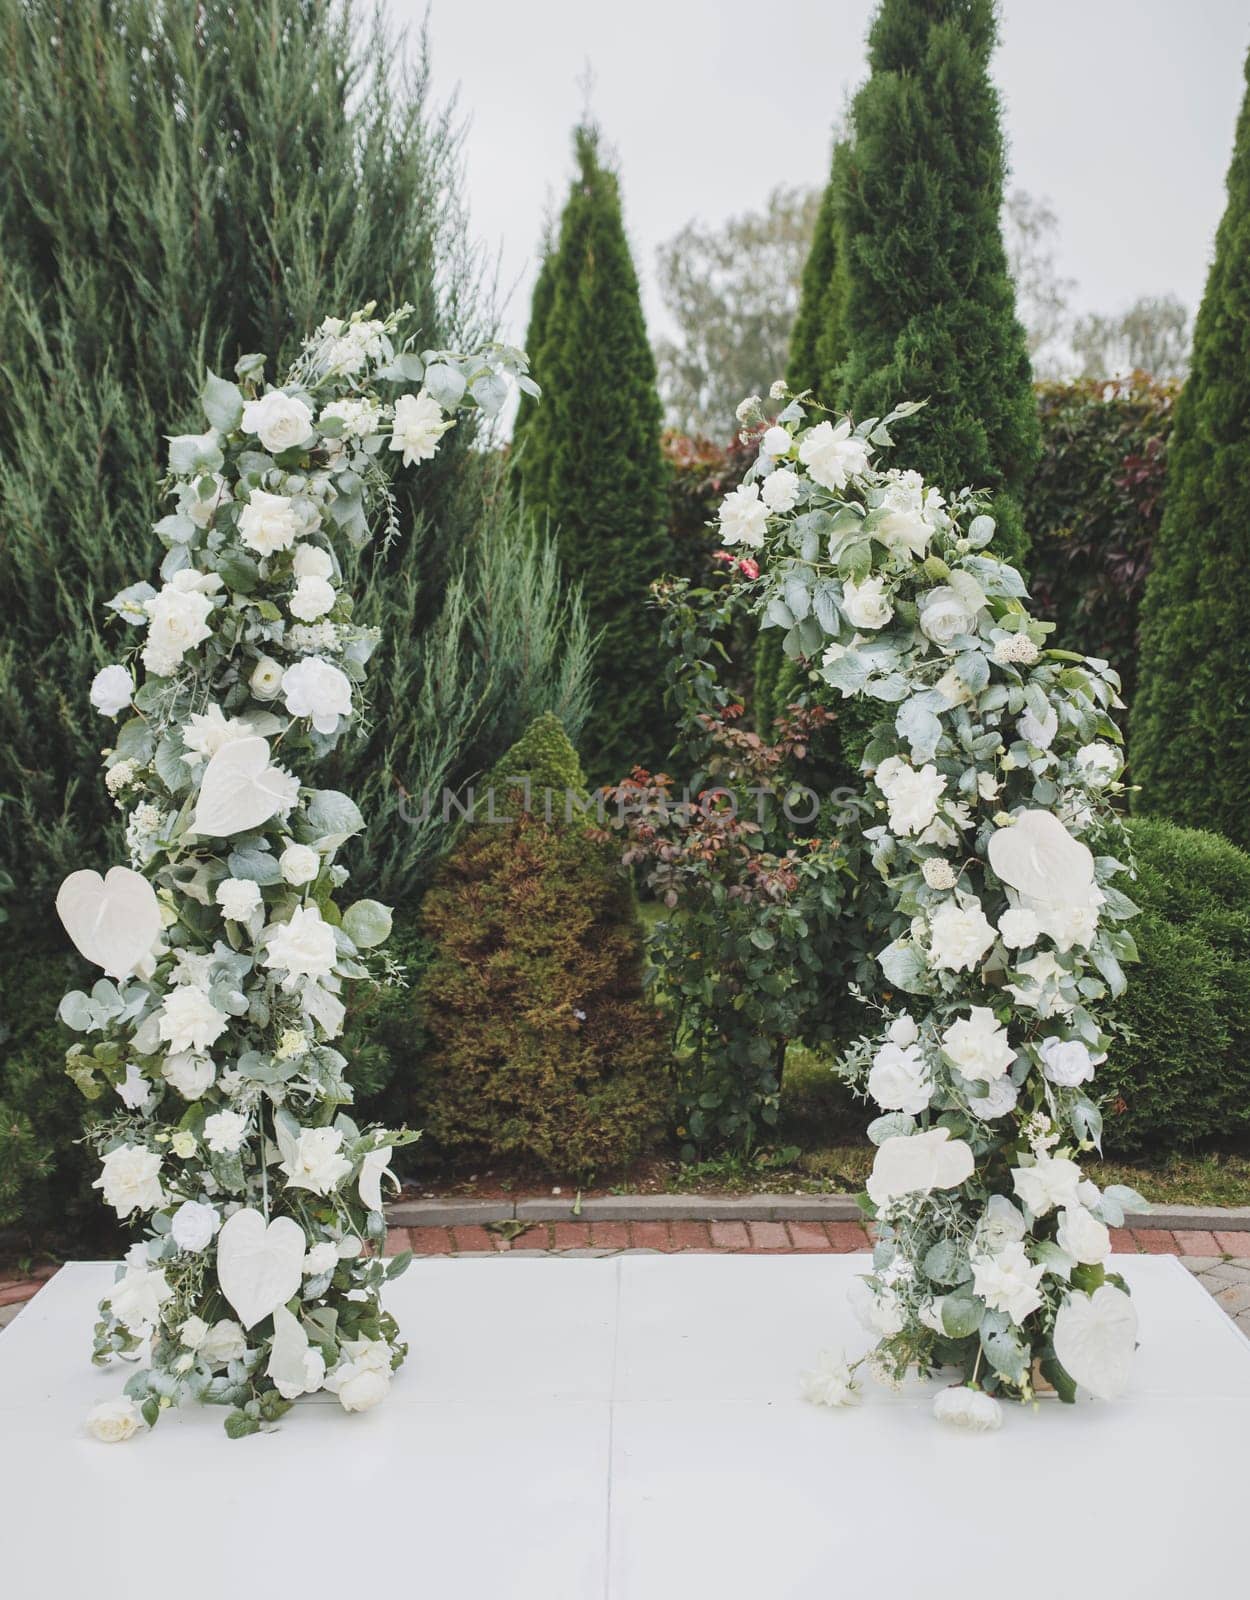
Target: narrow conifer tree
591, 459
1190, 743
818, 340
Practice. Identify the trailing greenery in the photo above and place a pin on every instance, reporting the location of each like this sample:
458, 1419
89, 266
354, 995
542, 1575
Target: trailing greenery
591, 459
541, 1046
1191, 745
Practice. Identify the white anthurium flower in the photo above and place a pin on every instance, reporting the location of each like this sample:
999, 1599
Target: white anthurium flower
295, 1367
1095, 1337
918, 1164
1050, 1181
419, 425
962, 1407
743, 517
978, 1045
1083, 1236
900, 1079
832, 455
280, 421
375, 1167
830, 1382
112, 690
1008, 1281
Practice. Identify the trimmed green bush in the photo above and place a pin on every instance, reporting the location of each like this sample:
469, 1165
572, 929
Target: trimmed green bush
1191, 732
1182, 1077
541, 1047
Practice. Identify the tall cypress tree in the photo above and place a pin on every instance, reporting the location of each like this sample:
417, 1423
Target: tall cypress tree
540, 315
592, 460
818, 338
930, 307
1190, 744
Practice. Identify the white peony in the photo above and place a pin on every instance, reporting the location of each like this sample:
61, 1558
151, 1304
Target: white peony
959, 935
177, 622
134, 1091
1095, 1336
269, 523
1098, 764
866, 604
114, 1421
280, 421
224, 1132
945, 615
978, 1046
1083, 1235
238, 898
266, 679
780, 490
912, 793
304, 947
224, 1342
743, 517
112, 689
193, 1225
917, 1164
188, 1019
1051, 1181
317, 689
832, 455
316, 1162
1008, 1281
961, 1407
192, 1075
1066, 1062
418, 426
299, 864
831, 1382
313, 598
899, 1079
130, 1180
1019, 928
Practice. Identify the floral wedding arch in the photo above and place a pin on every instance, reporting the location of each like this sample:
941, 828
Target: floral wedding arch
209, 1042
991, 771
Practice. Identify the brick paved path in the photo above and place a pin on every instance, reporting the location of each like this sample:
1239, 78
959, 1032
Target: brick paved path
1220, 1261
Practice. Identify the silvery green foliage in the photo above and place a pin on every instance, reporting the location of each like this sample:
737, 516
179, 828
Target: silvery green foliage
993, 771
214, 1055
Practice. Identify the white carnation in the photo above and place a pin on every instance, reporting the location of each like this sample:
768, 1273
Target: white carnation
743, 517
188, 1019
313, 597
959, 935
780, 490
418, 426
978, 1045
269, 523
238, 898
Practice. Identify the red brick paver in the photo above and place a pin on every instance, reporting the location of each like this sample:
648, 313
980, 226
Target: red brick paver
809, 1236
649, 1236
474, 1240
609, 1235
397, 1241
572, 1235
1234, 1244
768, 1236
729, 1235
1200, 1244
1156, 1241
691, 1236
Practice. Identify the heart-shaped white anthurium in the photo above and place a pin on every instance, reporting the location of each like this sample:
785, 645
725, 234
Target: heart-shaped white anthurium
114, 921
240, 790
1040, 859
259, 1267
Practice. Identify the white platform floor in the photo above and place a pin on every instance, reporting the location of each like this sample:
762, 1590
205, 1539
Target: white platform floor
630, 1429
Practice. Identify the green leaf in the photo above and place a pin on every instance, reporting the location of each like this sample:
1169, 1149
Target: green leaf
367, 923
1004, 1349
222, 402
238, 1425
961, 1315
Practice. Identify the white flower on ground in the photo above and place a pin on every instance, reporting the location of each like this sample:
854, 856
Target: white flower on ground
780, 490
266, 679
911, 793
177, 622
899, 1079
978, 1045
968, 1408
832, 455
191, 1074
1095, 1336
1065, 1061
193, 1225
743, 517
317, 689
299, 864
304, 947
269, 523
188, 1019
918, 1163
114, 1421
238, 898
313, 597
1019, 928
1050, 1181
130, 1180
362, 1379
1098, 764
224, 1132
134, 1091
373, 1169
280, 421
224, 1342
830, 1382
112, 689
137, 1298
959, 935
938, 873
1083, 1235
1008, 1281
419, 425
866, 604
945, 615
316, 1162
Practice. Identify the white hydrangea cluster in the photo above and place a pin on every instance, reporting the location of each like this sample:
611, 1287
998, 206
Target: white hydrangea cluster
209, 1044
992, 770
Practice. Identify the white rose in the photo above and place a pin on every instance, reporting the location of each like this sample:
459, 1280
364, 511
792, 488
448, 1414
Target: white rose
968, 1408
1039, 731
1065, 1061
320, 1259
192, 1075
280, 421
938, 874
177, 622
1083, 1236
188, 1019
959, 935
780, 490
313, 597
743, 517
832, 456
918, 1163
193, 1225
269, 523
1098, 763
316, 689
978, 1046
304, 947
111, 690
299, 864
899, 1080
224, 1132
316, 1162
831, 1382
136, 1300
1019, 928
130, 1180
311, 561
360, 1388
238, 898
1095, 1336
419, 425
223, 1343
1001, 1224
1000, 1098
1050, 1181
903, 1030
866, 604
193, 1333
113, 1421
266, 679
912, 793
944, 615
1008, 1281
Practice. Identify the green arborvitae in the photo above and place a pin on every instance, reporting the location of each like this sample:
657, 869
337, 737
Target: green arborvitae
540, 315
1190, 747
592, 462
818, 339
930, 307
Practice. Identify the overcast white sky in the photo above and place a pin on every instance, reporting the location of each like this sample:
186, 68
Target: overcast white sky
1121, 112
